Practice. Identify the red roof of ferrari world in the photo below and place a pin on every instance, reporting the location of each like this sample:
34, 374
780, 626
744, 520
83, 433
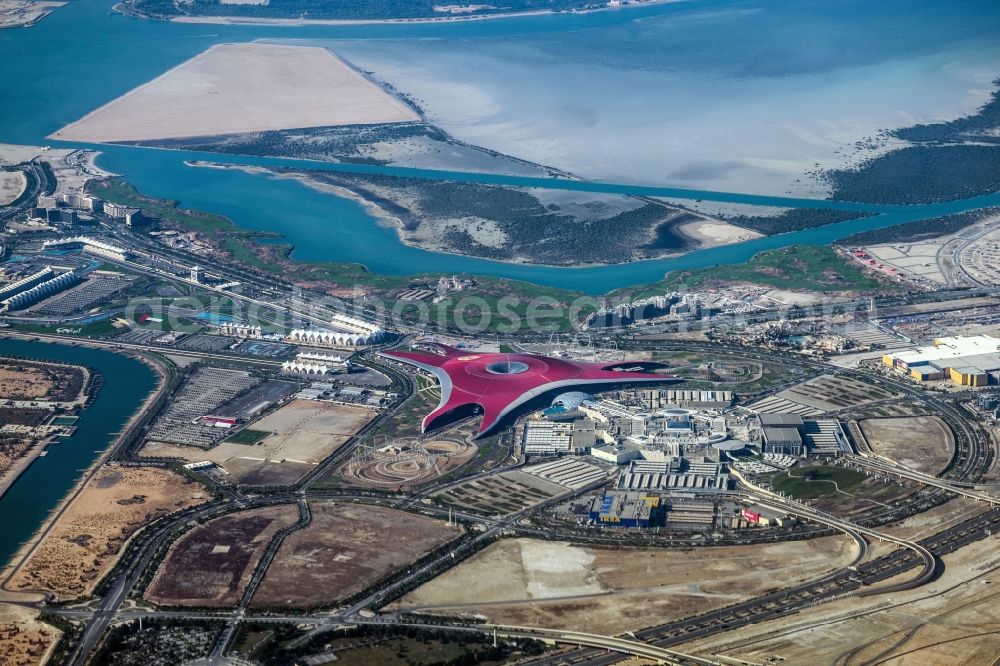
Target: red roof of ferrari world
499, 383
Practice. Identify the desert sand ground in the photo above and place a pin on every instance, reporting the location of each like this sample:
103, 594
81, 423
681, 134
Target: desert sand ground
85, 543
24, 640
49, 382
12, 183
945, 515
953, 621
923, 443
556, 584
15, 153
236, 88
297, 426
303, 433
72, 168
346, 548
211, 564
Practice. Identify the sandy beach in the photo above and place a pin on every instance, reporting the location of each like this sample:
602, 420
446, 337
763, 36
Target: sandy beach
713, 233
72, 168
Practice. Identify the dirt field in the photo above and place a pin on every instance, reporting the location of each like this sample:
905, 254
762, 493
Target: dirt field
12, 453
501, 494
953, 621
944, 515
303, 434
300, 426
923, 443
24, 639
555, 584
22, 380
346, 548
11, 185
211, 564
237, 88
85, 543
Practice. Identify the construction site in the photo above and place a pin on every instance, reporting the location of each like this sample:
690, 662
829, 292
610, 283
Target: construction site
212, 564
404, 462
345, 549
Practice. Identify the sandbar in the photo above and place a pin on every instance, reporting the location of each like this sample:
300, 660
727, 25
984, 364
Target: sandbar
237, 88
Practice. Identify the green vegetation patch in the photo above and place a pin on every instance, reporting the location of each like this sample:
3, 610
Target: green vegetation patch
341, 143
118, 191
248, 436
283, 644
815, 482
951, 160
324, 9
911, 232
921, 174
95, 329
793, 220
798, 268
577, 231
158, 643
503, 306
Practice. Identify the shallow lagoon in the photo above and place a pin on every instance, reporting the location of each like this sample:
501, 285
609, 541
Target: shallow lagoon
326, 228
734, 96
723, 61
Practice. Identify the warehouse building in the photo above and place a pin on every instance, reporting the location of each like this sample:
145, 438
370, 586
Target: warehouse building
617, 454
550, 438
782, 434
547, 438
684, 476
965, 360
627, 509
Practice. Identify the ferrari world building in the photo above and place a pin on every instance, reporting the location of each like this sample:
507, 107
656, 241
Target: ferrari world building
498, 384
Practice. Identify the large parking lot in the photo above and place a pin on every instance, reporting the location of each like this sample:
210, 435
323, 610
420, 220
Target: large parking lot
83, 296
288, 442
206, 343
265, 348
202, 392
257, 399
